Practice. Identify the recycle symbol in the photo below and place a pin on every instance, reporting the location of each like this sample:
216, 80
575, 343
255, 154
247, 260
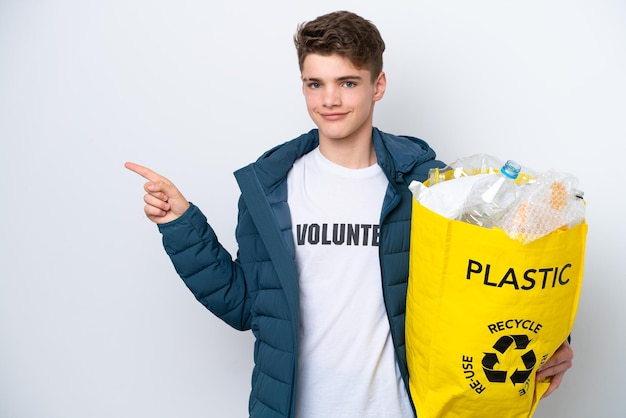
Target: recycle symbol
528, 359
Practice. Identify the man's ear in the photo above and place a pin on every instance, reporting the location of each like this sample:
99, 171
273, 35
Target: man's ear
380, 85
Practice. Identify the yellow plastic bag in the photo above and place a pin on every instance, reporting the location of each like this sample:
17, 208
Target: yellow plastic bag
484, 312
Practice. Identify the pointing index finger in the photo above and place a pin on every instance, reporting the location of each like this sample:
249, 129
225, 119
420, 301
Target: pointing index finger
144, 172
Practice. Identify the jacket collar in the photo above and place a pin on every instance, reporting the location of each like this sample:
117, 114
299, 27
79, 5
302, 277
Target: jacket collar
396, 155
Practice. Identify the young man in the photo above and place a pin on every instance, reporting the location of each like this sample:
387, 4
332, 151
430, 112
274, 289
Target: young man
323, 233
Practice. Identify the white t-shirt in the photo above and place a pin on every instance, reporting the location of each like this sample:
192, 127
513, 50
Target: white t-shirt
347, 367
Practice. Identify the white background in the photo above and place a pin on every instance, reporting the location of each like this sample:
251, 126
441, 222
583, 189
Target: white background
94, 321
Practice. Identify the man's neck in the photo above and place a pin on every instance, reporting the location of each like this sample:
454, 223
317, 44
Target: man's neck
357, 153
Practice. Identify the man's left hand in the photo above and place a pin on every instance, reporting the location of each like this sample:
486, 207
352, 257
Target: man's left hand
554, 369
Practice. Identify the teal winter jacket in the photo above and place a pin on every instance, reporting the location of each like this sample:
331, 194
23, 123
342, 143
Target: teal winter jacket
258, 290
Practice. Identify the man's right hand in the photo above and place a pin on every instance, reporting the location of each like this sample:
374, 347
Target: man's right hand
164, 202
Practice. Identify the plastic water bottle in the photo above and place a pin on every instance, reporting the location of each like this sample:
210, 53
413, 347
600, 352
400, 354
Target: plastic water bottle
491, 196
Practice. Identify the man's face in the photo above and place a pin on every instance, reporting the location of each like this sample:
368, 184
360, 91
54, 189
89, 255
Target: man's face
339, 98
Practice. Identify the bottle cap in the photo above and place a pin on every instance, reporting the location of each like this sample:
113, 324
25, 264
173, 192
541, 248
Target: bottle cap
511, 169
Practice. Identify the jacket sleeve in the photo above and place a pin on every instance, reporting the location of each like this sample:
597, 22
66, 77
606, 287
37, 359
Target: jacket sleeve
207, 268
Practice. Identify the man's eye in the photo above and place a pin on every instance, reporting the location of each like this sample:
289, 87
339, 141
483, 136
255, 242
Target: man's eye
350, 84
314, 85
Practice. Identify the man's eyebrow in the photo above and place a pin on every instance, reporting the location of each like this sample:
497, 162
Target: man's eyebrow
350, 77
